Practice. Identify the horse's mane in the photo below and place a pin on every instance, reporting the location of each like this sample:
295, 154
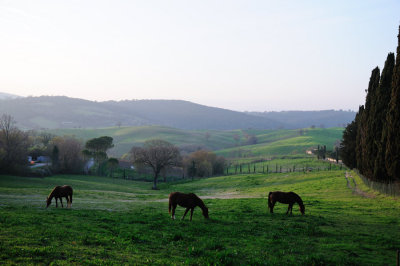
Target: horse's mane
199, 201
51, 193
298, 199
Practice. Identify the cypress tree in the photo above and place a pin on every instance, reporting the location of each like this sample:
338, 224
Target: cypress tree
359, 157
348, 145
367, 123
379, 123
392, 156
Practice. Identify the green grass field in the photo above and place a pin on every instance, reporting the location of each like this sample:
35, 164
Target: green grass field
114, 221
270, 142
285, 142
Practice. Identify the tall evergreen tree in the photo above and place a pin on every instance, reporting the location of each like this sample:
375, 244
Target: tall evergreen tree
348, 145
392, 156
359, 158
379, 122
367, 123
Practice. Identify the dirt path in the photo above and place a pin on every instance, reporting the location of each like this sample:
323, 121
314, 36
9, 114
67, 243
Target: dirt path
351, 184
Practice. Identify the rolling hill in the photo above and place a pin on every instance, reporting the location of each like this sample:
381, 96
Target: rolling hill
63, 112
269, 142
52, 112
301, 119
4, 96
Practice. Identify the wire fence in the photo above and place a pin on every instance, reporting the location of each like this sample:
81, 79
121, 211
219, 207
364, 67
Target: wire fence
390, 188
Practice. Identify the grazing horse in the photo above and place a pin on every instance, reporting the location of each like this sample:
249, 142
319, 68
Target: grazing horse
59, 192
287, 198
189, 201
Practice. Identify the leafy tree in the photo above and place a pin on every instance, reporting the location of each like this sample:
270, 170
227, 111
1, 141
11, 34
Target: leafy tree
97, 148
251, 139
112, 164
156, 154
204, 163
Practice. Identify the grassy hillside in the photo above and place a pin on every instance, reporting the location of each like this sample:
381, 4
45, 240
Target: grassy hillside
270, 142
126, 137
300, 119
284, 142
123, 222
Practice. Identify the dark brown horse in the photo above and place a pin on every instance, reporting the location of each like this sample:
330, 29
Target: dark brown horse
287, 198
189, 201
59, 192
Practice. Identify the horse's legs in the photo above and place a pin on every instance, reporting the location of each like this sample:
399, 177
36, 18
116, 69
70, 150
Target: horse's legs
289, 208
173, 211
271, 209
191, 213
187, 209
68, 201
56, 203
61, 202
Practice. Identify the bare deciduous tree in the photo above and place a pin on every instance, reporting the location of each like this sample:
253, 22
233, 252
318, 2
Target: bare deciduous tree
69, 154
156, 154
14, 145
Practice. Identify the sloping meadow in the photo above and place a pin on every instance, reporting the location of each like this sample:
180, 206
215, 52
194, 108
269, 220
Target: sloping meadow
114, 221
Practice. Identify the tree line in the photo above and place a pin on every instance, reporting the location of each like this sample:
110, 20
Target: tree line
68, 155
371, 142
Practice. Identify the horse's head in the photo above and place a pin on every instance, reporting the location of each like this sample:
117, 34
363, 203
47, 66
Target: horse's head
205, 212
48, 201
302, 209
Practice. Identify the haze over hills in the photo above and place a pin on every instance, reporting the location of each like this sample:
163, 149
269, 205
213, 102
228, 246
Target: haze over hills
52, 112
4, 95
298, 119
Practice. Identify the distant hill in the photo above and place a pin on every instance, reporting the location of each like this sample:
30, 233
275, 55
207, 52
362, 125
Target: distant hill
62, 112
4, 95
304, 119
52, 112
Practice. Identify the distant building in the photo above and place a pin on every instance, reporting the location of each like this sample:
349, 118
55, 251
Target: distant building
43, 159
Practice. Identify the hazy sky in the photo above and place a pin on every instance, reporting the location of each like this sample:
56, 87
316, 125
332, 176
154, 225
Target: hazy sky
239, 55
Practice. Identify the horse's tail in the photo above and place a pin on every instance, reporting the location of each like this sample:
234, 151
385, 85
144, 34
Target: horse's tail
269, 200
169, 204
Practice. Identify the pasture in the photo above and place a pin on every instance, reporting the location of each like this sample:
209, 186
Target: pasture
269, 142
115, 221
